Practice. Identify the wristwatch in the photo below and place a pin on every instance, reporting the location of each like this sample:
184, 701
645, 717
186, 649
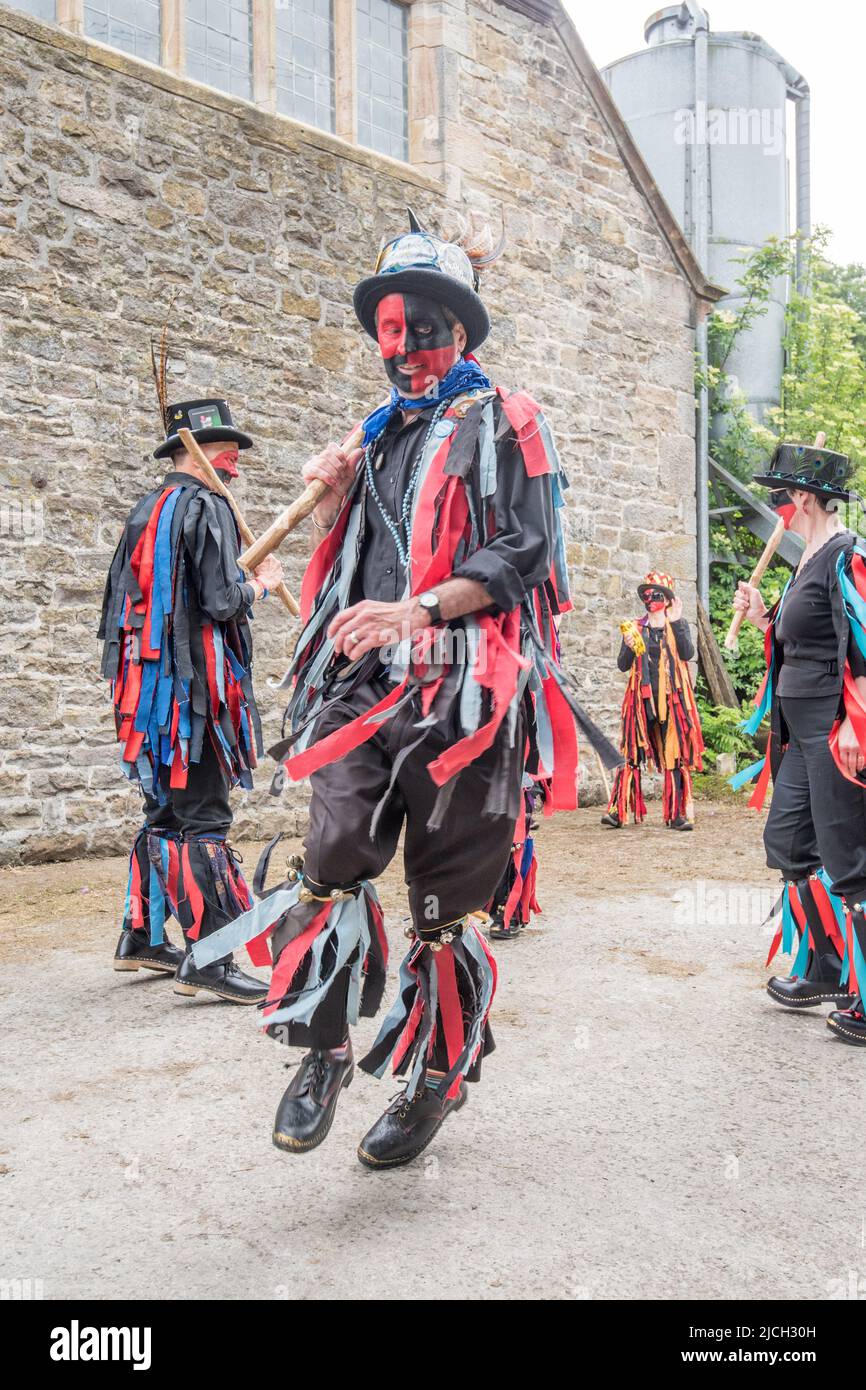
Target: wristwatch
430, 603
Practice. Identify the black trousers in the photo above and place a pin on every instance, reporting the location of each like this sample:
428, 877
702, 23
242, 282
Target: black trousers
449, 871
201, 807
816, 816
195, 819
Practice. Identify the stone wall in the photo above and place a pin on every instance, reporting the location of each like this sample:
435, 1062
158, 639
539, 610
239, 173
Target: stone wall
122, 185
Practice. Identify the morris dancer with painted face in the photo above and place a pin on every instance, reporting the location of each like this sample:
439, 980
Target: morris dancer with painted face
178, 652
815, 694
424, 682
661, 727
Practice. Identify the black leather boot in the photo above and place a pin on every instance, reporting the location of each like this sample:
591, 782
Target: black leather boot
821, 982
134, 952
680, 823
849, 1025
306, 1112
222, 978
406, 1128
817, 986
611, 820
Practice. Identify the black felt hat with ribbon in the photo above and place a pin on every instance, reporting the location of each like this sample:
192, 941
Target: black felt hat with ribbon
806, 468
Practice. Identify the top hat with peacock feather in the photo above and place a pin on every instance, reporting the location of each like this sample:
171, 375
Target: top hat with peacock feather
419, 262
807, 468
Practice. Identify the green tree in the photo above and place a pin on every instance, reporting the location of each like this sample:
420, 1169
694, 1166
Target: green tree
847, 284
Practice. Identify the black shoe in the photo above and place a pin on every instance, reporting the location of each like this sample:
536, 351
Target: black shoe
306, 1112
406, 1128
797, 993
849, 1025
134, 952
222, 978
500, 932
680, 823
611, 820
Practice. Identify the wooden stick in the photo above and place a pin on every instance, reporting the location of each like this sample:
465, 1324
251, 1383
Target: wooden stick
216, 484
766, 556
295, 513
602, 769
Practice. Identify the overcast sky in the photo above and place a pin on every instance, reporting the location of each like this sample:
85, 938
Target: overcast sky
827, 43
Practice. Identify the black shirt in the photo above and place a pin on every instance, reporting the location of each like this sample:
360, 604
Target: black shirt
805, 629
518, 556
382, 575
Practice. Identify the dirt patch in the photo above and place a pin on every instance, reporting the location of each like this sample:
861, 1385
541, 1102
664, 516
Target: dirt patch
77, 906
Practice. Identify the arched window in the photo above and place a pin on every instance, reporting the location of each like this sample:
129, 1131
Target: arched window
132, 25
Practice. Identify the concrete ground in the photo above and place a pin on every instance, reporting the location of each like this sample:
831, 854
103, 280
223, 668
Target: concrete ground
650, 1126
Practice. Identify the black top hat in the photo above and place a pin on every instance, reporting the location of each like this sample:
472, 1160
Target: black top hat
806, 468
417, 262
207, 420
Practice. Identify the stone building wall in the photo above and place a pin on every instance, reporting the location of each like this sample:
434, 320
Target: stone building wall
122, 185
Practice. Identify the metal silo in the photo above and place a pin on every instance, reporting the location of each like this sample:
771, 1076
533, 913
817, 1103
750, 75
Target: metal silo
708, 113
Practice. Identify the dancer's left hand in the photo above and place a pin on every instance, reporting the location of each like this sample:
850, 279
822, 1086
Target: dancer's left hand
371, 624
849, 749
675, 609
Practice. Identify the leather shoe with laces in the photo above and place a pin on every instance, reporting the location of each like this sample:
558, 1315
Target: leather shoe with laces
306, 1112
407, 1127
134, 952
222, 978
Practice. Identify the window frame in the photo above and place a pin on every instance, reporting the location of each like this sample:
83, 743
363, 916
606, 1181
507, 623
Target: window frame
70, 16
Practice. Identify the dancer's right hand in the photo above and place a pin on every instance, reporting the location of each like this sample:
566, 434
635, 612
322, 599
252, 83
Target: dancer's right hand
747, 600
335, 467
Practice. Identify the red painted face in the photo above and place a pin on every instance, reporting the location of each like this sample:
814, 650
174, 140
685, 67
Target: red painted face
780, 501
416, 342
227, 462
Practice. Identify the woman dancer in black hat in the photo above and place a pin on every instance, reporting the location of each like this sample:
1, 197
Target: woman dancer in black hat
815, 693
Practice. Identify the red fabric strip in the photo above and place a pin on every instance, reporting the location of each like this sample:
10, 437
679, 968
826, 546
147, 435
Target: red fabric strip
343, 740
522, 412
565, 770
407, 1037
135, 893
500, 676
756, 800
292, 955
776, 943
827, 915
450, 1011
173, 875
192, 893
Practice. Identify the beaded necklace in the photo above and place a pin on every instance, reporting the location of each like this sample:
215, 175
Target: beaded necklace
404, 520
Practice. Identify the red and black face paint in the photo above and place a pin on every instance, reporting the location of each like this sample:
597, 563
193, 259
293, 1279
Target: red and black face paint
780, 501
227, 461
416, 342
654, 601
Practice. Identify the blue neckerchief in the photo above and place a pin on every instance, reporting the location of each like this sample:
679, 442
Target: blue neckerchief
463, 376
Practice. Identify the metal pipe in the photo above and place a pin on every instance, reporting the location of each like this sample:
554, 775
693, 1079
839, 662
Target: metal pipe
804, 189
700, 220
